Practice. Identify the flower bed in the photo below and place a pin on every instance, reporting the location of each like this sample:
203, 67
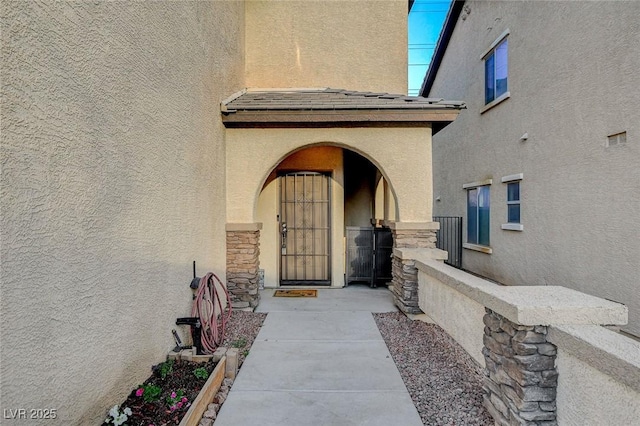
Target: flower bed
181, 375
165, 397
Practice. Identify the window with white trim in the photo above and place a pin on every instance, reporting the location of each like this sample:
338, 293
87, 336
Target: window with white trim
514, 222
513, 202
496, 72
478, 215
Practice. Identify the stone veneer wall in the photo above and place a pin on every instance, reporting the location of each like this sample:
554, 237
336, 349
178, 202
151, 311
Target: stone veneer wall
243, 252
404, 284
521, 377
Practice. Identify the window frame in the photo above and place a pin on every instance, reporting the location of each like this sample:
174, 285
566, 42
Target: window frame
490, 53
511, 179
474, 243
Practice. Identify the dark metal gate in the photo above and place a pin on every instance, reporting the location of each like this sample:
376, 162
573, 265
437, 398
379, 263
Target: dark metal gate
369, 255
449, 238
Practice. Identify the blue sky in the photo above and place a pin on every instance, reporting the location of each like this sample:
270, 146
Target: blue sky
425, 21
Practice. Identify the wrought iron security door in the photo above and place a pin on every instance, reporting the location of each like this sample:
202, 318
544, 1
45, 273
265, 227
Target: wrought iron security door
305, 229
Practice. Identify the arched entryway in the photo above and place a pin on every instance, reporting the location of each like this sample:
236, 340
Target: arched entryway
266, 128
310, 206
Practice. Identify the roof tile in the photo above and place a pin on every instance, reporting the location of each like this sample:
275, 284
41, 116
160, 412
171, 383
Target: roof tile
324, 99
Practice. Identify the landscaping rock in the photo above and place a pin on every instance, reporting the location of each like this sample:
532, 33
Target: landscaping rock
444, 382
205, 422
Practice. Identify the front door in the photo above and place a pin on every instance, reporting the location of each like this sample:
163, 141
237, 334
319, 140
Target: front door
305, 229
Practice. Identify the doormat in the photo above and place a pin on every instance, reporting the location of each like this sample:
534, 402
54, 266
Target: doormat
296, 293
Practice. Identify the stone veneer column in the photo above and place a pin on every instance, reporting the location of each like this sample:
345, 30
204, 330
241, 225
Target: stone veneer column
243, 261
404, 284
521, 377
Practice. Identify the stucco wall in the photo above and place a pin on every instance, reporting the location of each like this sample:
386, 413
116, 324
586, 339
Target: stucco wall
112, 170
385, 203
458, 315
599, 369
572, 79
599, 376
289, 44
359, 189
403, 155
588, 397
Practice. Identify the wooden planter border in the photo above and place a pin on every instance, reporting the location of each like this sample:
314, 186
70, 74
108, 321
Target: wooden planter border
204, 398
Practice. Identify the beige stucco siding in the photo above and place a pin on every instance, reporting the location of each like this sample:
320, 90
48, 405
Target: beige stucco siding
570, 87
402, 155
112, 183
598, 382
352, 44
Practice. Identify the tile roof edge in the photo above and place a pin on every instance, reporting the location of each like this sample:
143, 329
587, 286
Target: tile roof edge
226, 101
286, 89
396, 99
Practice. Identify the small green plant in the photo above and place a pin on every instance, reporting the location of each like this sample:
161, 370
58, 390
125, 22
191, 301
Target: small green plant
165, 368
245, 352
239, 343
201, 373
149, 392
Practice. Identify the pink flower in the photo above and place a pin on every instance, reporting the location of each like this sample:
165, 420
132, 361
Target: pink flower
179, 404
184, 399
139, 392
173, 394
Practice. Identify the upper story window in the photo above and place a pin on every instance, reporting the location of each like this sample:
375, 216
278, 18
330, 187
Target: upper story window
496, 72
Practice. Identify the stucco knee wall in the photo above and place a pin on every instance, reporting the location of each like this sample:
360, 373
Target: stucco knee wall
403, 155
457, 314
599, 380
598, 369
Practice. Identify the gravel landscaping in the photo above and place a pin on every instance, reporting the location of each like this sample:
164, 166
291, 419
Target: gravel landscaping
444, 382
241, 331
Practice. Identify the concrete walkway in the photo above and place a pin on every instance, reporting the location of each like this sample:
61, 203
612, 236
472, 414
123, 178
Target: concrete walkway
320, 361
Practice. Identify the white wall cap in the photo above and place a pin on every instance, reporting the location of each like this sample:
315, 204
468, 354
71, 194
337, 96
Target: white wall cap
477, 184
243, 226
512, 227
529, 305
511, 178
612, 353
400, 226
477, 247
420, 253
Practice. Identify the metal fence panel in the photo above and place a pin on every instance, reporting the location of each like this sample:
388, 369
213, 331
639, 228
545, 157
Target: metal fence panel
449, 238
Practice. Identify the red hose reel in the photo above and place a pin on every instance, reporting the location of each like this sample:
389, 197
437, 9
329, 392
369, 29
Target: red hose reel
209, 315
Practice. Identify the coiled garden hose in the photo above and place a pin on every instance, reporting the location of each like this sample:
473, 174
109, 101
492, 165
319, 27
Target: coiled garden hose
204, 307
